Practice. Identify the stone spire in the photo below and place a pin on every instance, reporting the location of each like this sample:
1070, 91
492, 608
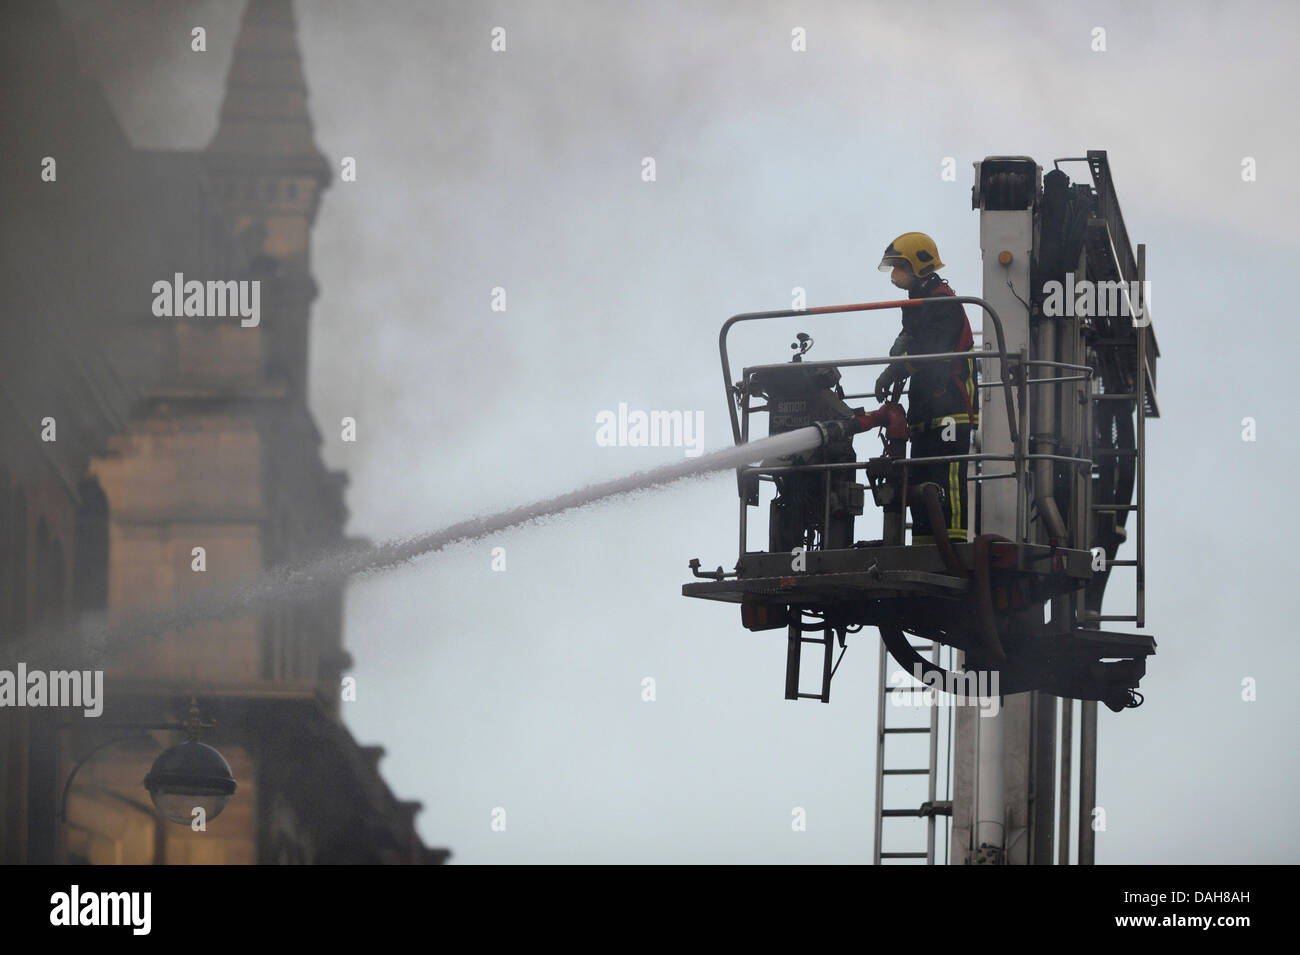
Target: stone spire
264, 121
267, 173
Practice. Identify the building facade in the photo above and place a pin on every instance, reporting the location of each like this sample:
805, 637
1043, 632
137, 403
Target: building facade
150, 457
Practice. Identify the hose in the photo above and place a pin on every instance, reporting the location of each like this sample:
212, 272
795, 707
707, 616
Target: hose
927, 495
984, 596
900, 648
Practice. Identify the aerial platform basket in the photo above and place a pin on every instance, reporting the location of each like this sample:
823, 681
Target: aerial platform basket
986, 598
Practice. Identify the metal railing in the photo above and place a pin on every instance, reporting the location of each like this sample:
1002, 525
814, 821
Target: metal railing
738, 404
1000, 354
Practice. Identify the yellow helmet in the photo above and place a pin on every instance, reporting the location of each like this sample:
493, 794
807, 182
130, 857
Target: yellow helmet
915, 249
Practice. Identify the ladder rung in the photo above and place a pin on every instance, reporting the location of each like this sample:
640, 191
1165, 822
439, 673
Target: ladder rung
1114, 507
898, 813
905, 772
909, 689
812, 640
1131, 618
906, 729
808, 696
904, 855
1122, 563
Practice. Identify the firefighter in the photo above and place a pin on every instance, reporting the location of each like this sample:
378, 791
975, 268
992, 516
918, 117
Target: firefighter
943, 403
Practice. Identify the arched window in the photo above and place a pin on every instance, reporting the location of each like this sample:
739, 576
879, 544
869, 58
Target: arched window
51, 576
56, 572
7, 551
18, 566
46, 599
90, 566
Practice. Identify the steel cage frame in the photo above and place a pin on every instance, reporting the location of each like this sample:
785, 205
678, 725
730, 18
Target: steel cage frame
1020, 456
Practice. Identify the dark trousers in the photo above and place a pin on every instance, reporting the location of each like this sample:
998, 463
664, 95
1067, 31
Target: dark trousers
950, 476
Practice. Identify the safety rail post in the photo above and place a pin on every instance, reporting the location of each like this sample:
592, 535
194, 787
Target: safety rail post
826, 521
1089, 439
1141, 441
1021, 446
743, 397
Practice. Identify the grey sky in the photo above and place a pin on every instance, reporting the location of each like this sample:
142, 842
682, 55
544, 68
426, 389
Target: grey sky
775, 170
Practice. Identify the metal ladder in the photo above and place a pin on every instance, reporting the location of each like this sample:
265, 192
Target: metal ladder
1131, 347
794, 655
1142, 399
930, 809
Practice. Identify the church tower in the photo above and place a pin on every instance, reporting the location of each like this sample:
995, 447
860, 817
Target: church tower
218, 476
268, 176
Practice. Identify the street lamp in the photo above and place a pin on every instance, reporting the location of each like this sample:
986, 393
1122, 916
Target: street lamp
191, 777
185, 778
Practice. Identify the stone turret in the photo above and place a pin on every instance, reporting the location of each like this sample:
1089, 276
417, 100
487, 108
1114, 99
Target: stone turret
268, 175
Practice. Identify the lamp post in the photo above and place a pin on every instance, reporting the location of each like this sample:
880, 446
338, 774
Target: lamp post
185, 779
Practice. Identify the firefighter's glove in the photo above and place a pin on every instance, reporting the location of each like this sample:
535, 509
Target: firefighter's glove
886, 381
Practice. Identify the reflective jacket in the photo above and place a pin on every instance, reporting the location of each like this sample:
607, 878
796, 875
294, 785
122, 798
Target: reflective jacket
938, 389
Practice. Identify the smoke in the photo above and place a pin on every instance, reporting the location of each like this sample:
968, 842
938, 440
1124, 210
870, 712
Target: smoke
298, 582
165, 94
